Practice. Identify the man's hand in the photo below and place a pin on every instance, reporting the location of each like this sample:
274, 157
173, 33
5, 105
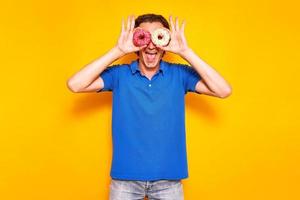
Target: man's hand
178, 42
212, 82
125, 42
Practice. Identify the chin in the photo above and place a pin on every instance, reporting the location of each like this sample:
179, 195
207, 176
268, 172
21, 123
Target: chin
151, 65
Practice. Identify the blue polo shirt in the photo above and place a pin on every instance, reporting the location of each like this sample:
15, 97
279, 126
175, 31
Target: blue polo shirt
148, 120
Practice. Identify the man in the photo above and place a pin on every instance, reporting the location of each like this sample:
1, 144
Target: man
149, 146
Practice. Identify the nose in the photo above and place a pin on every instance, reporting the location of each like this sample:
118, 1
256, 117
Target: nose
151, 45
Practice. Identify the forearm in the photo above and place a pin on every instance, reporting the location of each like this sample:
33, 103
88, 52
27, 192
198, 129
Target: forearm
91, 71
210, 76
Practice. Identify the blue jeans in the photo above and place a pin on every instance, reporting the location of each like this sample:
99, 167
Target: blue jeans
138, 190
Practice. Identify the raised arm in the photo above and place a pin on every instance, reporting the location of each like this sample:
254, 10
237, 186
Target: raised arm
87, 79
211, 83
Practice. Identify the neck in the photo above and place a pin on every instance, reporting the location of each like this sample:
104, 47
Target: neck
149, 72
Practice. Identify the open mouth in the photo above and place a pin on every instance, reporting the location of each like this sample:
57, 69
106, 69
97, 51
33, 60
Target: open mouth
150, 56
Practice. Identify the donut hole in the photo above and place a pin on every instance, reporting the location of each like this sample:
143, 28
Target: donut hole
141, 37
160, 37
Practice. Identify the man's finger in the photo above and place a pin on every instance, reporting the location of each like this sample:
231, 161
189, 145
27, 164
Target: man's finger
171, 23
176, 24
183, 26
132, 23
142, 47
128, 24
123, 26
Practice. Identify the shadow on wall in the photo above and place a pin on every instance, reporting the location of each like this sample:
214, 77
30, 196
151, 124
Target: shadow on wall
88, 103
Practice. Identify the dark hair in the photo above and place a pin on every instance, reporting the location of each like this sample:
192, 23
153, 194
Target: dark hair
151, 18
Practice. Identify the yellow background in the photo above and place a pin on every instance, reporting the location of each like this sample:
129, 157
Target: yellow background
56, 145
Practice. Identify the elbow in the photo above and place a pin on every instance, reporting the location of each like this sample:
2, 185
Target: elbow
226, 93
71, 86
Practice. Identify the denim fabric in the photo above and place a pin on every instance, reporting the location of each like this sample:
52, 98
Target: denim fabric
138, 190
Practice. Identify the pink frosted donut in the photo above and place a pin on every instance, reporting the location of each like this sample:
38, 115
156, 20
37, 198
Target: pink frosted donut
141, 37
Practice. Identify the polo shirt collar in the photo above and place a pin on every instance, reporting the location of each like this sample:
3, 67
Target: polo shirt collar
134, 65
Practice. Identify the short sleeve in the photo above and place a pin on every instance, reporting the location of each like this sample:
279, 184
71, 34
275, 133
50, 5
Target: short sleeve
190, 78
110, 78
